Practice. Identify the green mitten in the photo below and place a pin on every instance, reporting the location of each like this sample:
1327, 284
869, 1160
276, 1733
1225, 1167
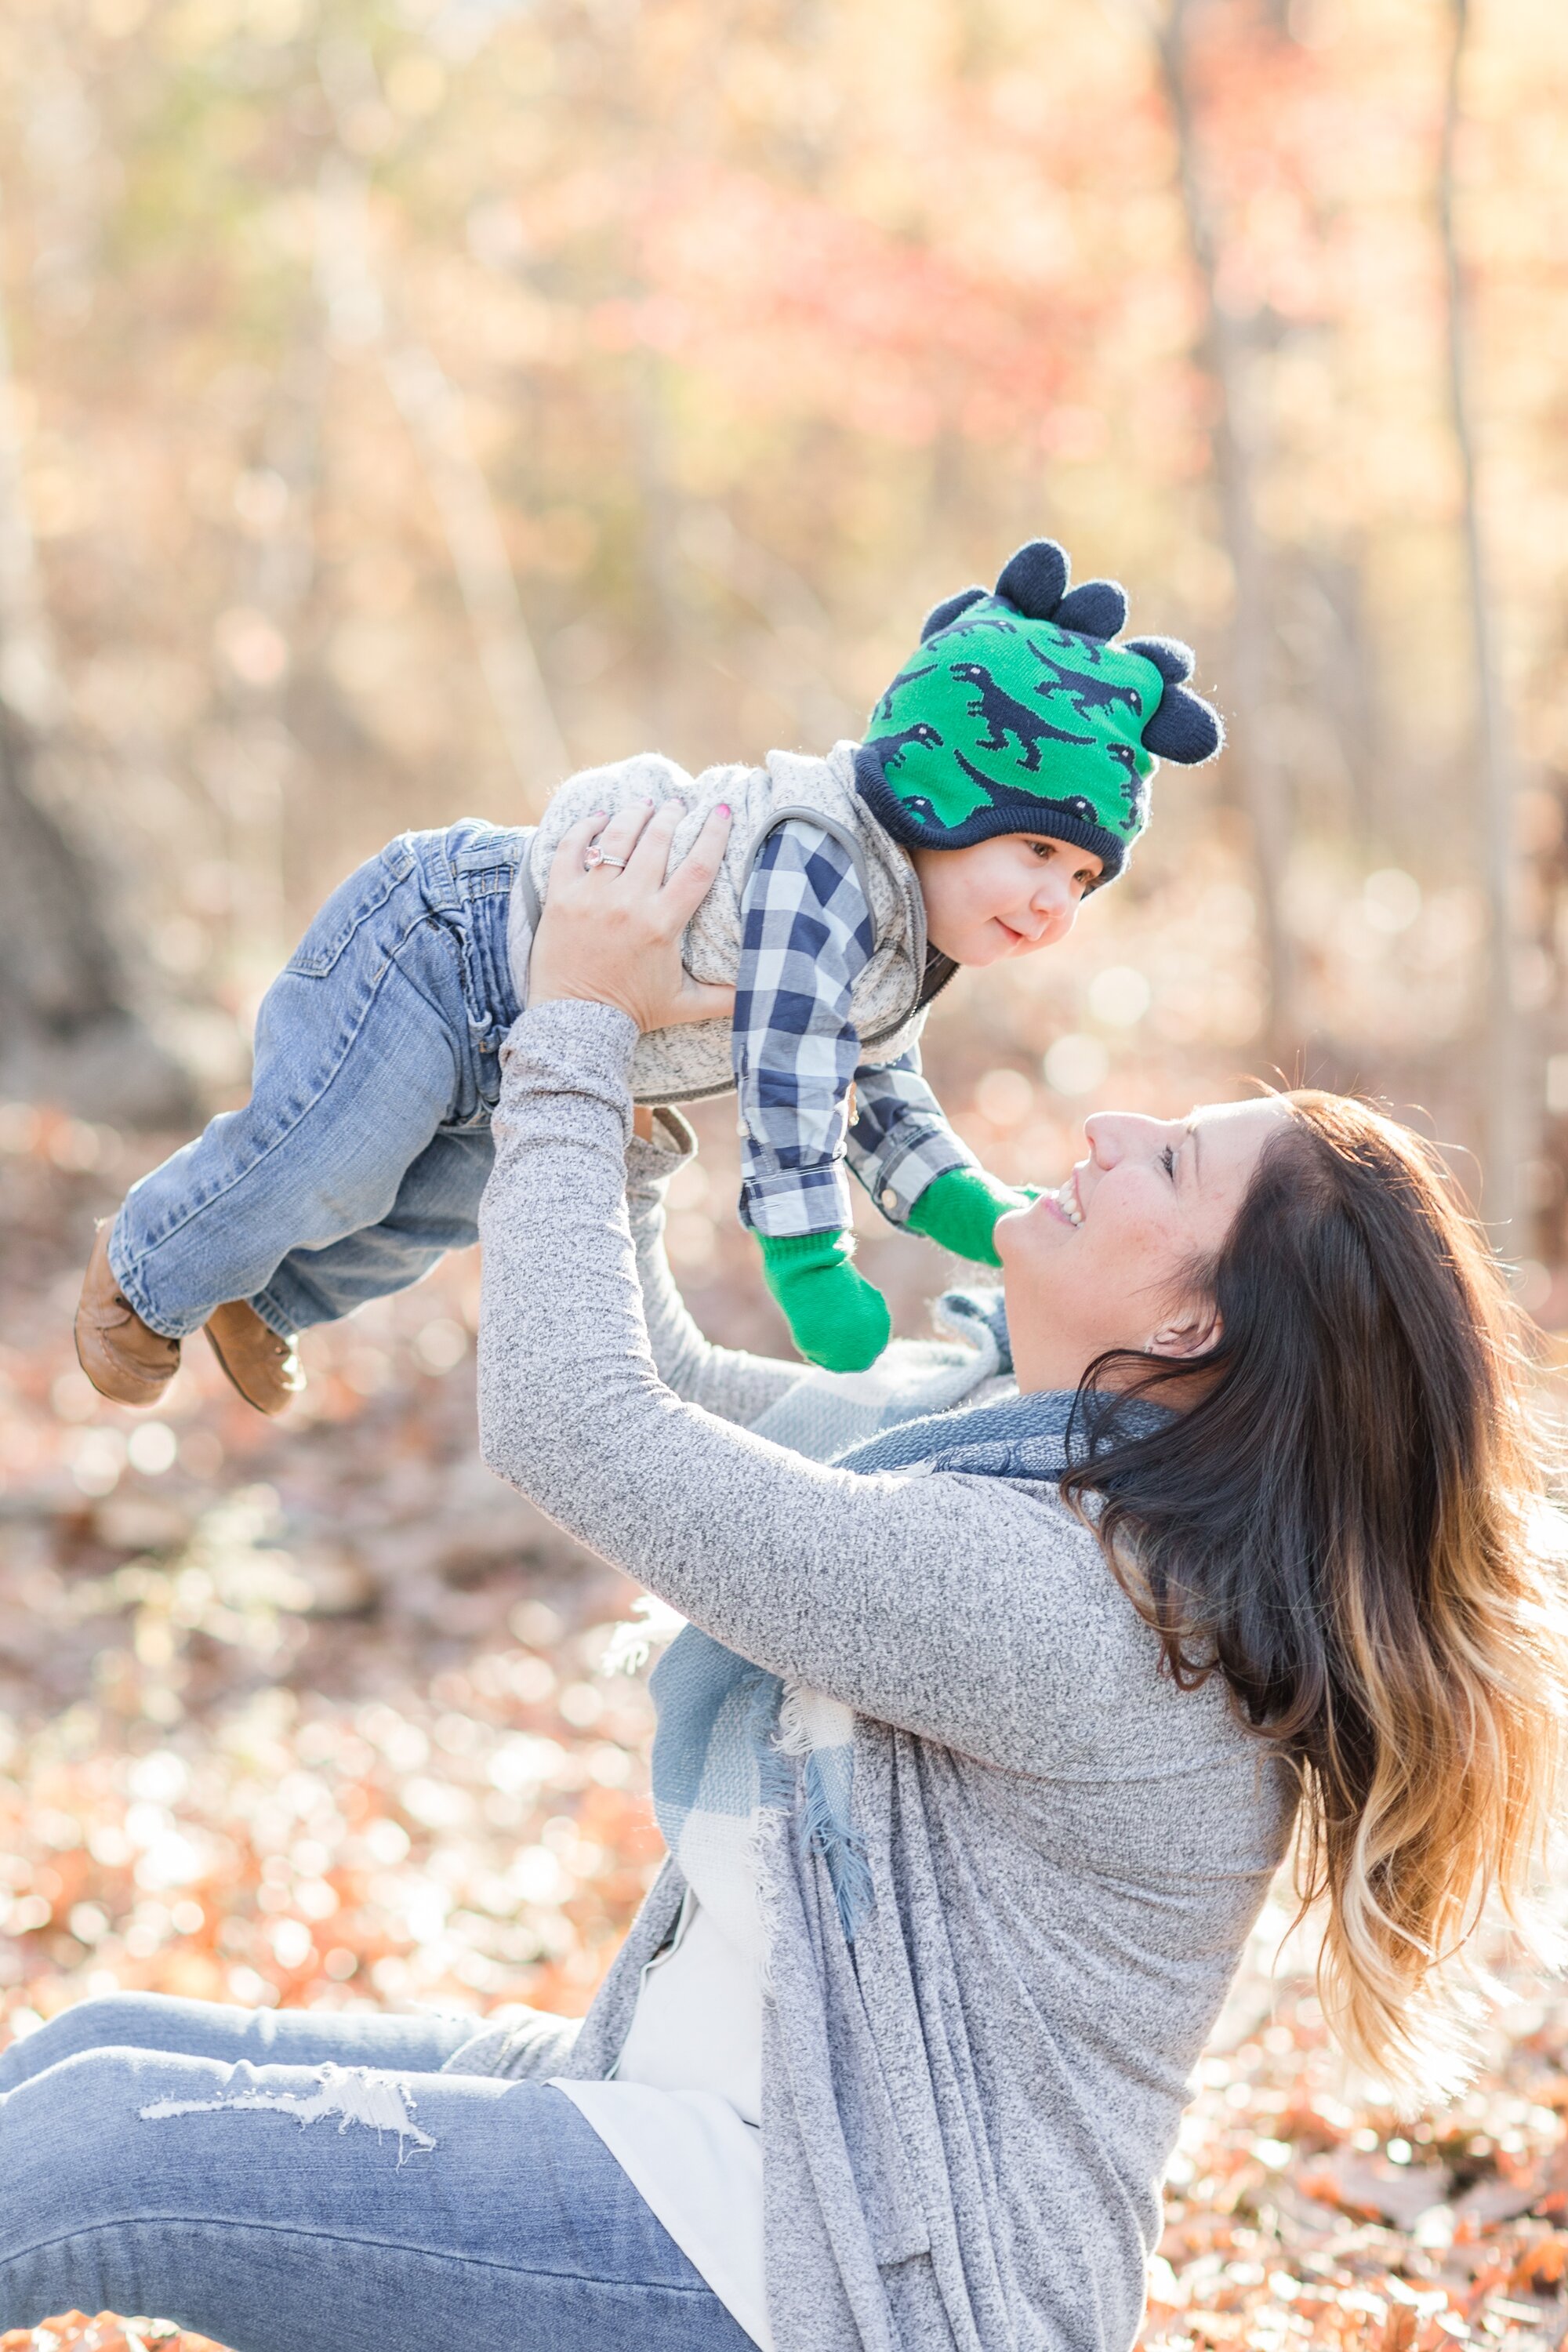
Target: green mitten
835, 1317
960, 1210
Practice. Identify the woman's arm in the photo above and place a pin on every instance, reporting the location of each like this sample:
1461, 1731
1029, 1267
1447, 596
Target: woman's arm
725, 1381
962, 1609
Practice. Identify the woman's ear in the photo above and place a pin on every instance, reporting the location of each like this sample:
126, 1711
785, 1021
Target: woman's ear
1192, 1332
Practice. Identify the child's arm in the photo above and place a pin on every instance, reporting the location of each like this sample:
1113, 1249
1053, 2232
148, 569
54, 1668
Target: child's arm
916, 1169
805, 938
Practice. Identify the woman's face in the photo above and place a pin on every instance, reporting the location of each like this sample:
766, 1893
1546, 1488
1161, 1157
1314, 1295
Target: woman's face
1104, 1263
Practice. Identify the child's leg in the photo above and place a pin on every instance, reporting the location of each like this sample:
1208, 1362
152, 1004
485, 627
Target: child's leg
436, 1210
366, 1045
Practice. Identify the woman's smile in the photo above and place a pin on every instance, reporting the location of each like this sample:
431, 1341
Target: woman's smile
1065, 1202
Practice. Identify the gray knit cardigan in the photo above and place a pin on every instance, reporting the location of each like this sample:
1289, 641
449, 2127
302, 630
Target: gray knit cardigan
966, 2116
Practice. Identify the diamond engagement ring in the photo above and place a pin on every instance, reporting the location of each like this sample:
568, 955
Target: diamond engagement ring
596, 857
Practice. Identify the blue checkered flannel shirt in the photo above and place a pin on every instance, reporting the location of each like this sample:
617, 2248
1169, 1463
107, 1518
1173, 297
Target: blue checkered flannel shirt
805, 938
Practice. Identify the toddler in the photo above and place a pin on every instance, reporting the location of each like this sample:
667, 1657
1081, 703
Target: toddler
1002, 778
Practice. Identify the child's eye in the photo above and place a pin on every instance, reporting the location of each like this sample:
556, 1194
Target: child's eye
1044, 849
1168, 1161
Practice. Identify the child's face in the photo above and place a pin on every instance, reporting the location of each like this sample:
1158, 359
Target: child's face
1003, 898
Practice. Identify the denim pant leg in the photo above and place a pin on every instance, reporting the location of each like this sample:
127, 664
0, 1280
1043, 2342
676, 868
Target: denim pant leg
421, 2042
341, 2206
364, 1051
436, 1210
470, 874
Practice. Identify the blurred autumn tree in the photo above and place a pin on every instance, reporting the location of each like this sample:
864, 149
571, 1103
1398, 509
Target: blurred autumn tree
411, 399
407, 400
68, 1030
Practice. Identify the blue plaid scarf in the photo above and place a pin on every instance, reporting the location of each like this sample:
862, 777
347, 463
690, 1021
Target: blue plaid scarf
729, 1732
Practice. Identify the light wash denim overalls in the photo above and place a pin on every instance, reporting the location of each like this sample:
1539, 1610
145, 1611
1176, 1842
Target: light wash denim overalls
365, 1145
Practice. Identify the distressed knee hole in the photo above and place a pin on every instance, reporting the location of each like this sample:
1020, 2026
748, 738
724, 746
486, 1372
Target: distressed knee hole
354, 2095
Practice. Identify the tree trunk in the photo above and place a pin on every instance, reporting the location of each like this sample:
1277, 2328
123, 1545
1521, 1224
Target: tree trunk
1507, 1084
1221, 352
68, 1031
431, 408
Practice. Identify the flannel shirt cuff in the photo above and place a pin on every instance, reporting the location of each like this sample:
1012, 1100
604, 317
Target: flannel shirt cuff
790, 1200
908, 1163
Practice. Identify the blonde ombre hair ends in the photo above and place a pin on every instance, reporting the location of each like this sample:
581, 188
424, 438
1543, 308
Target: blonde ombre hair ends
1347, 1519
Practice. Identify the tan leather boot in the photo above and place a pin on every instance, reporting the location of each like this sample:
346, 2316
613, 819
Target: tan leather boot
265, 1368
120, 1355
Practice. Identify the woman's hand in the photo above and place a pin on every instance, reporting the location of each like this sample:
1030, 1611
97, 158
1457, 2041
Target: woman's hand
610, 931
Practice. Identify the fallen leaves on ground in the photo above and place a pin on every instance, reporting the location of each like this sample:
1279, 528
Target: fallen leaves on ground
1294, 2217
75, 2332
313, 1713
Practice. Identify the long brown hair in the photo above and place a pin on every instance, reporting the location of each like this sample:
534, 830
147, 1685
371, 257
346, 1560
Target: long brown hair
1345, 1521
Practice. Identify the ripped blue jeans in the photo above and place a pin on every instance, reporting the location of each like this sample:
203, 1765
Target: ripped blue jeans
289, 2181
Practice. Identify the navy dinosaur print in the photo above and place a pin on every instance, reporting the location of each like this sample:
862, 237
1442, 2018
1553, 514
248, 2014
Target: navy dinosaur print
1005, 795
1082, 648
1085, 694
905, 678
890, 746
923, 811
983, 616
1134, 792
1004, 714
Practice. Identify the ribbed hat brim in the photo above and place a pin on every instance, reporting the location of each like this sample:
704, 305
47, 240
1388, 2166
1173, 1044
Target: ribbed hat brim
1021, 813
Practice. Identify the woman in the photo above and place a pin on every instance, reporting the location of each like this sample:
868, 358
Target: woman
977, 1757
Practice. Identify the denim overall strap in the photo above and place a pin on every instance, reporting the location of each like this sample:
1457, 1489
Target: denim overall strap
467, 874
485, 869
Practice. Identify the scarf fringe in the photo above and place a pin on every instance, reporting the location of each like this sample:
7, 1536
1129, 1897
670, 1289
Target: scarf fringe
794, 1735
651, 1626
843, 1850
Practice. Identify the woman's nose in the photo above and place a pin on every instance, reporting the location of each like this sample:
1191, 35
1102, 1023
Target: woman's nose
1101, 1135
1115, 1135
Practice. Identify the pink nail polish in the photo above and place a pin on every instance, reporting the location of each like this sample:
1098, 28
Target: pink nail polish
722, 809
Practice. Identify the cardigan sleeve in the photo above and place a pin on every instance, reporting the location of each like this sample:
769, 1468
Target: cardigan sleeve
728, 1381
973, 1612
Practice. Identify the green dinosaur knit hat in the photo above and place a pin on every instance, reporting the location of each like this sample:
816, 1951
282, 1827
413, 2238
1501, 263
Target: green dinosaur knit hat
1018, 715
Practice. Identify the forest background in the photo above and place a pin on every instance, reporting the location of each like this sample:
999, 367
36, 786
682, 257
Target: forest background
401, 404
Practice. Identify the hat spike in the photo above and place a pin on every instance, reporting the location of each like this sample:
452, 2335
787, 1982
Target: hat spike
1035, 579
1184, 729
1096, 608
